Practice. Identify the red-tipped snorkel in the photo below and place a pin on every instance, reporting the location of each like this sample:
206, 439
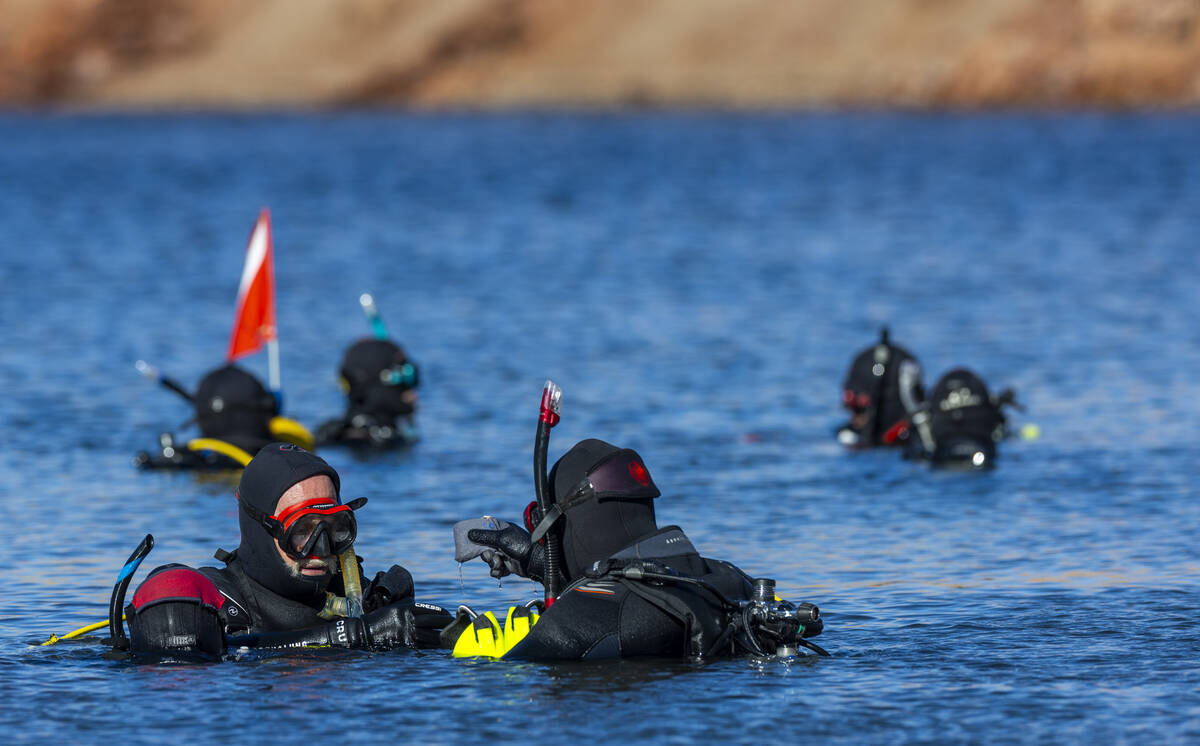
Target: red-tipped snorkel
548, 417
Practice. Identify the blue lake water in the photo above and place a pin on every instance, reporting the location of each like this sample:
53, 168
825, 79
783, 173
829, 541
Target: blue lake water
697, 283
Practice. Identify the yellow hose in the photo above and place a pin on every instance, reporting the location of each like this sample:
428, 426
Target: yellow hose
221, 447
76, 633
287, 429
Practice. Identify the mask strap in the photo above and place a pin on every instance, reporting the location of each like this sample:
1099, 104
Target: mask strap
270, 523
583, 492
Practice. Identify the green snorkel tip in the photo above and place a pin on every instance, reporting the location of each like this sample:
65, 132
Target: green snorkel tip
367, 301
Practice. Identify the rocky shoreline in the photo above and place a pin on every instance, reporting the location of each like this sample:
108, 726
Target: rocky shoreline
600, 53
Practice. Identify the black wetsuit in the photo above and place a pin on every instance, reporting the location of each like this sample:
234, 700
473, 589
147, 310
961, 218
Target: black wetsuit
248, 607
255, 608
178, 609
610, 616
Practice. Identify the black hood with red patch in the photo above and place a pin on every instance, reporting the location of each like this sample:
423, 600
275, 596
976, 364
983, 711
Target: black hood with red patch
621, 513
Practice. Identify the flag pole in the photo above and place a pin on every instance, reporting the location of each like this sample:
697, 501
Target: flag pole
273, 382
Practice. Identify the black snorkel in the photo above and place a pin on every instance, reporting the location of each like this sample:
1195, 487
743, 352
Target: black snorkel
116, 604
883, 358
548, 417
149, 371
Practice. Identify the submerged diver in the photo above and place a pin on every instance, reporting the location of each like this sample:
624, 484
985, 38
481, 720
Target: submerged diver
380, 384
631, 588
236, 416
281, 588
882, 390
961, 423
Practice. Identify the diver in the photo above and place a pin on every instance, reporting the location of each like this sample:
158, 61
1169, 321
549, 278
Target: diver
961, 423
630, 587
380, 383
282, 587
236, 416
882, 390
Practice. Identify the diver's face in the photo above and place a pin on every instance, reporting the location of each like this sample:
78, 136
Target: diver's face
857, 403
312, 488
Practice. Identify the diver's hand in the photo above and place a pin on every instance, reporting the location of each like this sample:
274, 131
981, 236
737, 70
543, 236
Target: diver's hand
391, 587
424, 625
415, 625
515, 553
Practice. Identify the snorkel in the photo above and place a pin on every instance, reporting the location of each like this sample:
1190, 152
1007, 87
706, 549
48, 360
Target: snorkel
351, 582
149, 371
117, 603
368, 306
882, 354
548, 417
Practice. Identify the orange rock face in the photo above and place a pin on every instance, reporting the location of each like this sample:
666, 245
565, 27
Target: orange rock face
599, 53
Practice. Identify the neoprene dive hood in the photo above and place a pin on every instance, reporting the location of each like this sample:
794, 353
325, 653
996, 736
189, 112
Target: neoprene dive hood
232, 405
272, 472
882, 389
964, 420
620, 512
376, 373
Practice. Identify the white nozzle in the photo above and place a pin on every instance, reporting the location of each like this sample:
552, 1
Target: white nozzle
552, 397
146, 369
367, 302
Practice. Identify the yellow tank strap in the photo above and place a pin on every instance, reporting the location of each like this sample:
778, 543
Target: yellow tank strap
287, 429
485, 638
221, 447
77, 632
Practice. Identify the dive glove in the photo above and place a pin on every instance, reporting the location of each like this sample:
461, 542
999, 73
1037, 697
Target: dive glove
414, 625
515, 553
387, 588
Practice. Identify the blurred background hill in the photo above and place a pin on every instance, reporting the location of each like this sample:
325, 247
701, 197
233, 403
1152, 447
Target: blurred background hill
599, 53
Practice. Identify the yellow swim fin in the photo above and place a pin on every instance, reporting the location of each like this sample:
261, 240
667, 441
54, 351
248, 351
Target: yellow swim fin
484, 638
517, 624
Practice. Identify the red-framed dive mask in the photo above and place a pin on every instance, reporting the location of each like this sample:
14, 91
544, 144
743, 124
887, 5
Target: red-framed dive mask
856, 402
321, 527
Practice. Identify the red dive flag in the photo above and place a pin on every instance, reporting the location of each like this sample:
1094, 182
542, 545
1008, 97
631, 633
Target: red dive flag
254, 322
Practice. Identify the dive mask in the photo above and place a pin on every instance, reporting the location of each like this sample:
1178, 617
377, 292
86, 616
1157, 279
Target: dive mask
404, 374
314, 528
855, 401
621, 476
